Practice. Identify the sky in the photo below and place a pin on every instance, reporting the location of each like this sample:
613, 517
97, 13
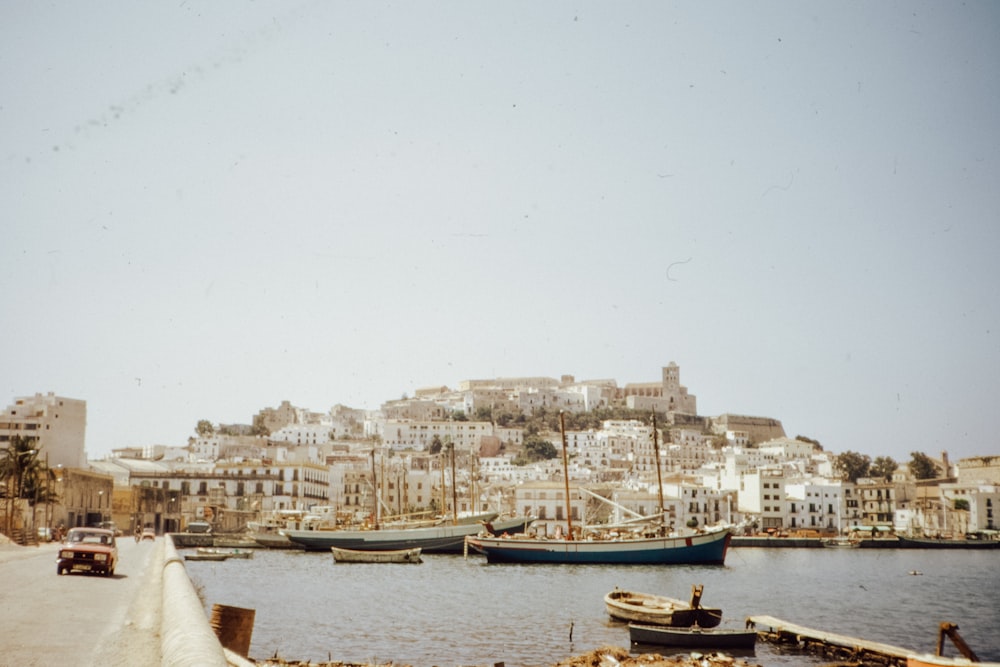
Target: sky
207, 208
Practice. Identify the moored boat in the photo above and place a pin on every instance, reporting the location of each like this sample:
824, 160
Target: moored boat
698, 548
945, 543
394, 556
203, 556
649, 609
656, 547
228, 553
841, 543
441, 538
699, 638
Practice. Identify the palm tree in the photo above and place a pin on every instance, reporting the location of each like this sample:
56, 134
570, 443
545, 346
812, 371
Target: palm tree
21, 466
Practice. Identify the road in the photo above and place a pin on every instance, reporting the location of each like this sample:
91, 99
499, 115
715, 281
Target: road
78, 619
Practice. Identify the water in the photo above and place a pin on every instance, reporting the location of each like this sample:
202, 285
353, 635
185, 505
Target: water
452, 611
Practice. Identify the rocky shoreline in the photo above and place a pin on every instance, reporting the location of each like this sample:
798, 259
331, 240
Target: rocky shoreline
606, 656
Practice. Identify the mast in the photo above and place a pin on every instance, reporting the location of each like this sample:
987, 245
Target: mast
454, 490
444, 486
375, 489
659, 477
569, 513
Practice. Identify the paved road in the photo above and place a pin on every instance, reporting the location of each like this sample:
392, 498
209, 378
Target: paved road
47, 619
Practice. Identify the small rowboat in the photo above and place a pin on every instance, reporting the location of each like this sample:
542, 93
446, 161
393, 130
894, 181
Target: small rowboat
201, 556
692, 637
649, 609
394, 556
228, 553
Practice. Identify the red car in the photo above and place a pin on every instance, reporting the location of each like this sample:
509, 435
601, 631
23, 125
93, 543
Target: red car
88, 550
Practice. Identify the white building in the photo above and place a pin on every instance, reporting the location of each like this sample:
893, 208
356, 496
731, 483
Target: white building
58, 423
418, 435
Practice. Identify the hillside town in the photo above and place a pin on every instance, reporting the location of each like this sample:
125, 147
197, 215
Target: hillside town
488, 443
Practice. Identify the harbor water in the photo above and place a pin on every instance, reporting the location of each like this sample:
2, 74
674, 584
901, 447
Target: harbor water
452, 610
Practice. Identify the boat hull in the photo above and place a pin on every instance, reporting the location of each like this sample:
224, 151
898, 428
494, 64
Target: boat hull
212, 557
841, 543
445, 538
707, 548
396, 556
274, 541
646, 609
692, 637
228, 553
932, 543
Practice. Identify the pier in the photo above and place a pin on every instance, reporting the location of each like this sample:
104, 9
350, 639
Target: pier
829, 644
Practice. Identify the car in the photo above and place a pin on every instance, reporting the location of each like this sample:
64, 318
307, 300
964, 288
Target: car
110, 525
148, 534
45, 534
92, 550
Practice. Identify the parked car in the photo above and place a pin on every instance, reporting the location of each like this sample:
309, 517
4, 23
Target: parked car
148, 534
88, 550
110, 525
199, 527
44, 533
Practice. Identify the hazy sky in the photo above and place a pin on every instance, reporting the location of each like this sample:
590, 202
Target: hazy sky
211, 207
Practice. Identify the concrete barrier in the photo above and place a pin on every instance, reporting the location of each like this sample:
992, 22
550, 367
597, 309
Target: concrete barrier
187, 639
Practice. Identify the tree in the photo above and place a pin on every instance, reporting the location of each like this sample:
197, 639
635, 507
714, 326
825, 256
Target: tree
802, 438
962, 504
922, 466
258, 427
534, 449
884, 467
435, 447
852, 465
20, 468
204, 428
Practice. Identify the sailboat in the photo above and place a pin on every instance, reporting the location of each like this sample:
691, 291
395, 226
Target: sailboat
841, 541
444, 536
704, 547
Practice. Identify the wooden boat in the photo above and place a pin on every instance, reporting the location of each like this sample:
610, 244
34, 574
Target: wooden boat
695, 548
695, 637
649, 609
228, 553
699, 548
393, 556
943, 543
442, 538
841, 543
203, 556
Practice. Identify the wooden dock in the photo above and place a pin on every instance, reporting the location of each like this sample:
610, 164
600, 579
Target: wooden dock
840, 647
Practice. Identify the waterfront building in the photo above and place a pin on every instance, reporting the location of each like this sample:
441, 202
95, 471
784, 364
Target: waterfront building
58, 423
762, 493
877, 501
816, 505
